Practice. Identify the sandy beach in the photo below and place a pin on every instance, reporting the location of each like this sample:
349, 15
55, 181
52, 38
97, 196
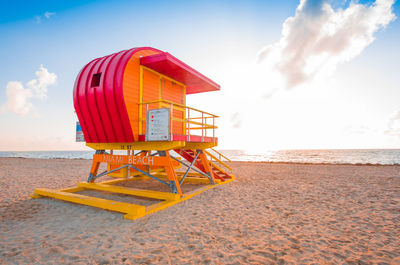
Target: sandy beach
273, 213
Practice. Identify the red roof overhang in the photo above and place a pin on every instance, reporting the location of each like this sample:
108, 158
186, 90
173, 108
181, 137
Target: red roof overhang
168, 65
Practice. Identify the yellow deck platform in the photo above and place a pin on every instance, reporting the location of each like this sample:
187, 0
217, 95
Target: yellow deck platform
131, 211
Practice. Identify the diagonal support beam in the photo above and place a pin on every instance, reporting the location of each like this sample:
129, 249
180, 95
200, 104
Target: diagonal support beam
195, 169
107, 172
124, 166
188, 169
149, 175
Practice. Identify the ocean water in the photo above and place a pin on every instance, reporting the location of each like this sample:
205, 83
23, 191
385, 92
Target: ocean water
330, 156
347, 156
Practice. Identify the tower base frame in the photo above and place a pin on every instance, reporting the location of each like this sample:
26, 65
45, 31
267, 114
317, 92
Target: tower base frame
159, 166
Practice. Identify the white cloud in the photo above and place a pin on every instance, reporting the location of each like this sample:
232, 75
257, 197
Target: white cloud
318, 38
18, 99
44, 79
236, 120
18, 96
49, 14
393, 126
46, 14
38, 19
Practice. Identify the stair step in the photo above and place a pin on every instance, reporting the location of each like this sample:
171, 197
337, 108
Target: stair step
218, 173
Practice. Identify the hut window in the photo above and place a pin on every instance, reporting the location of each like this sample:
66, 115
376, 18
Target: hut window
96, 80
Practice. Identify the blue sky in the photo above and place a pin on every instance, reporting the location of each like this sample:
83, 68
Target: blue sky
218, 39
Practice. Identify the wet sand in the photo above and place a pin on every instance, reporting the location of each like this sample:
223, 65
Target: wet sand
271, 214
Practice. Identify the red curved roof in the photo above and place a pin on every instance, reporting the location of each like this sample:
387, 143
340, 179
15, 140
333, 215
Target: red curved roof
101, 109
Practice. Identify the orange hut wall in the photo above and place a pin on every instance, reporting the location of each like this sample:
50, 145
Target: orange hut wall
151, 91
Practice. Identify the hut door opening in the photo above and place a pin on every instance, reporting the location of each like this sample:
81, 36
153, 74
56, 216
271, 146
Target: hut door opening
150, 92
175, 93
157, 87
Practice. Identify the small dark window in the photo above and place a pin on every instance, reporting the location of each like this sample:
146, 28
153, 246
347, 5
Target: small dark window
96, 80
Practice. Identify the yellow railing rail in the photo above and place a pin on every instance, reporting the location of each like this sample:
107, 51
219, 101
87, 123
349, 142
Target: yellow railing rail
221, 155
218, 160
189, 115
179, 105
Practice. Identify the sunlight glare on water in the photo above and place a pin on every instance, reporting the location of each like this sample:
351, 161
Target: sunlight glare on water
348, 156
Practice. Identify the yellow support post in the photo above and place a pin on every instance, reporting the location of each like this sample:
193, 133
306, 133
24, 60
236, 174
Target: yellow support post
169, 170
206, 165
94, 170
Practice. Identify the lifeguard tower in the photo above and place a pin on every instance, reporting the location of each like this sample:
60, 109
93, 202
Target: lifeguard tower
135, 100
